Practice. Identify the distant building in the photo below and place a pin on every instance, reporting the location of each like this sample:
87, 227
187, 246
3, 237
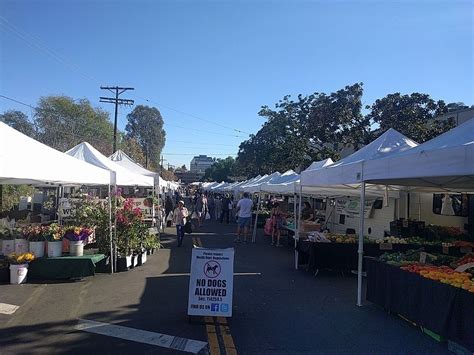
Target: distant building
187, 177
200, 163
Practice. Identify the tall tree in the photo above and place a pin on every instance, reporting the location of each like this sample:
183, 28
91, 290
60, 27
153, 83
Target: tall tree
19, 121
145, 125
131, 147
221, 170
300, 131
63, 122
413, 115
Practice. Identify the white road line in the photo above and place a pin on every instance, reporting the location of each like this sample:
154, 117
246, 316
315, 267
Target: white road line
141, 336
6, 308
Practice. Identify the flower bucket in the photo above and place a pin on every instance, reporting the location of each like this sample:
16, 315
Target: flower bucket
76, 248
18, 274
124, 263
55, 248
21, 246
8, 246
37, 248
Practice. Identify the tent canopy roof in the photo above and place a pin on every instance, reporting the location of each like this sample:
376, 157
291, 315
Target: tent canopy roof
24, 160
444, 162
121, 158
349, 170
86, 152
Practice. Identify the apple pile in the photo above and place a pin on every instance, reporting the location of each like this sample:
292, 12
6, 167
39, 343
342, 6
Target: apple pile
443, 274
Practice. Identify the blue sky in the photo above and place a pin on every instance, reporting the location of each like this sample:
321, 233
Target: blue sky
222, 60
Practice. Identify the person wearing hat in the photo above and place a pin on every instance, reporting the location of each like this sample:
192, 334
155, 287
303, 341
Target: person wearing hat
179, 219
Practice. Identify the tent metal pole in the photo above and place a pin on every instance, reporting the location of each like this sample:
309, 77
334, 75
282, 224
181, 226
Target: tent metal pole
298, 221
112, 269
254, 234
361, 245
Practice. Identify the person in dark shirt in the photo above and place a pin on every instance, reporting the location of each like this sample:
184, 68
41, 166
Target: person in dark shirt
225, 209
307, 212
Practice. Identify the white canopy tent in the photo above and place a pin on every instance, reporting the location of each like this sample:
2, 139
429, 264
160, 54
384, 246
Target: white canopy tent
121, 158
257, 185
284, 184
86, 152
444, 163
240, 187
349, 172
24, 160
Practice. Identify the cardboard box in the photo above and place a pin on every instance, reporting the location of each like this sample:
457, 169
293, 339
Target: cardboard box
310, 226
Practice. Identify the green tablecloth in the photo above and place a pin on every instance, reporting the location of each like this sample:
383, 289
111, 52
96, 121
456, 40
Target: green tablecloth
65, 267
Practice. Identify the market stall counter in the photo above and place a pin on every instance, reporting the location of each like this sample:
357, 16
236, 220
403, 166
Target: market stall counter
344, 256
63, 268
441, 308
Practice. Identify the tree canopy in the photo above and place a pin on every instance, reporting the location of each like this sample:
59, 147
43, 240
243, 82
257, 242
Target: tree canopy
63, 122
319, 126
413, 115
145, 126
221, 170
300, 131
19, 121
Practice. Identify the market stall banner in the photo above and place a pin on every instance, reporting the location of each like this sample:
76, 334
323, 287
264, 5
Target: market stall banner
351, 208
145, 205
211, 283
65, 208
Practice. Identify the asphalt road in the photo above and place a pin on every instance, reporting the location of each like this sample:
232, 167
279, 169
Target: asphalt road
277, 310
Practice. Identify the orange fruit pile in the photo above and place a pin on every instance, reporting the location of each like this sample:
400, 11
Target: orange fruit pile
443, 274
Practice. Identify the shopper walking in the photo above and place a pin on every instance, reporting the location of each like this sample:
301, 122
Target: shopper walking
211, 204
168, 206
225, 209
218, 204
180, 216
244, 211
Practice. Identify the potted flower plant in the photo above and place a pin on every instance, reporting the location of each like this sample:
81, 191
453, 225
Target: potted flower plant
19, 267
21, 241
77, 237
7, 241
54, 235
36, 240
129, 229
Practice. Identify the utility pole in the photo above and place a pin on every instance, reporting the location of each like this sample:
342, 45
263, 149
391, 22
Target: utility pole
115, 100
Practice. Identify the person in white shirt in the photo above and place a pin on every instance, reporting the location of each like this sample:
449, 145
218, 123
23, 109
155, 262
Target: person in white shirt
244, 211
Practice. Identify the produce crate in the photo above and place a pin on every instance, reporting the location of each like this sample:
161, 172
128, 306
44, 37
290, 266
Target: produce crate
435, 336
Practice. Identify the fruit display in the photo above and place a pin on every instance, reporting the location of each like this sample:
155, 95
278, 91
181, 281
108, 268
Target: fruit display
392, 240
401, 258
466, 259
346, 239
444, 274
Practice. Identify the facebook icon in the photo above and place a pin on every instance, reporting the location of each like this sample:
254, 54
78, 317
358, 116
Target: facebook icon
214, 307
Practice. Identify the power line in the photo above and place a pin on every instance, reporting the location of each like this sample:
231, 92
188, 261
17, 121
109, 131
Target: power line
194, 116
202, 130
35, 42
175, 141
17, 101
